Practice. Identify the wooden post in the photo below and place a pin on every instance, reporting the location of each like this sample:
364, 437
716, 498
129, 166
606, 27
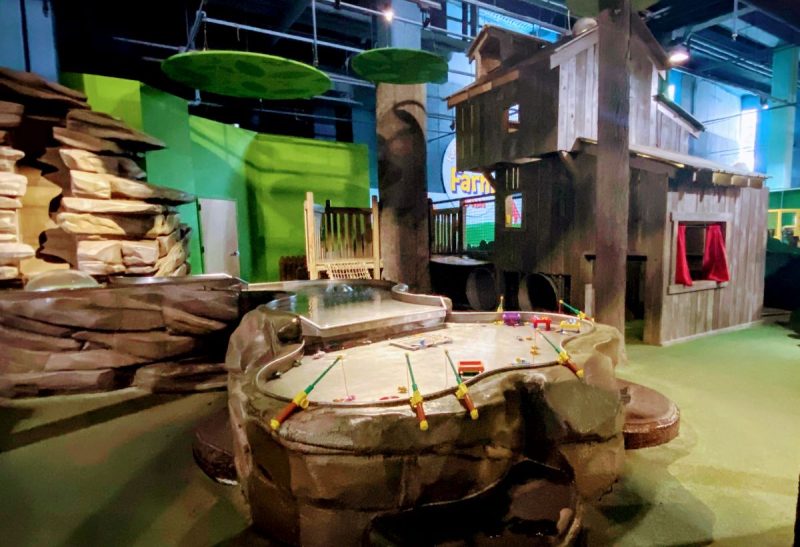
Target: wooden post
402, 184
376, 239
613, 172
312, 235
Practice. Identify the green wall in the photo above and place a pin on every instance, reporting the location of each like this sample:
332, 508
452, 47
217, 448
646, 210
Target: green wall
784, 199
267, 175
167, 117
114, 96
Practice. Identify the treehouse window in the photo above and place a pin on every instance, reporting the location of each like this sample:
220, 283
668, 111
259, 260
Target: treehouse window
513, 211
511, 118
700, 256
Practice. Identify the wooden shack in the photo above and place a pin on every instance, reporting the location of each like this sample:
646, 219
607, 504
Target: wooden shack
529, 122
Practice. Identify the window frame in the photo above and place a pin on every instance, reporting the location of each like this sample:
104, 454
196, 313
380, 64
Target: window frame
510, 195
511, 127
676, 218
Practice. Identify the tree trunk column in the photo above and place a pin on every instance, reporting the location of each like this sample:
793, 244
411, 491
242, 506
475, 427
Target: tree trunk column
402, 183
613, 169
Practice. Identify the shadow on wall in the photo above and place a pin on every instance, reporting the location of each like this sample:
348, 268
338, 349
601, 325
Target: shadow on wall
402, 168
781, 289
279, 172
218, 155
268, 176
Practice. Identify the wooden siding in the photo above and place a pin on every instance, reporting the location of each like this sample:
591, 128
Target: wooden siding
556, 107
577, 103
558, 235
483, 139
558, 224
577, 98
643, 86
670, 135
739, 302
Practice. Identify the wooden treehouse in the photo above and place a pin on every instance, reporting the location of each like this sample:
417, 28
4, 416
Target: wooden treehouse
696, 229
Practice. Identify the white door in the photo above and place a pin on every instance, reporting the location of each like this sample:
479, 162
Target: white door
219, 237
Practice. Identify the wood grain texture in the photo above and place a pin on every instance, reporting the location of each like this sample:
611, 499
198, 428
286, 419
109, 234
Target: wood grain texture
740, 301
401, 126
612, 181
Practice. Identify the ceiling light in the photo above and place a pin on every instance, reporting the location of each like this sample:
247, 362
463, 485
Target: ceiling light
678, 54
765, 106
388, 15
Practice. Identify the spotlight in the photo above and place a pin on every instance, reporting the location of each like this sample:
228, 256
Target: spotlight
765, 106
388, 14
678, 54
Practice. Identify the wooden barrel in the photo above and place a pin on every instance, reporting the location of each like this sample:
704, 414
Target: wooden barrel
481, 290
537, 292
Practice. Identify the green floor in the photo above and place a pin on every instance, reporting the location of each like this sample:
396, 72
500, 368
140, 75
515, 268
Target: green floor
117, 469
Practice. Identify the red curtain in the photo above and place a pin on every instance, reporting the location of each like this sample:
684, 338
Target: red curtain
715, 258
682, 275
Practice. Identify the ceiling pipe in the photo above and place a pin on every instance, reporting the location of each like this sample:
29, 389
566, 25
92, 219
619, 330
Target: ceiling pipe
282, 112
340, 78
381, 14
501, 11
148, 44
722, 81
729, 56
257, 30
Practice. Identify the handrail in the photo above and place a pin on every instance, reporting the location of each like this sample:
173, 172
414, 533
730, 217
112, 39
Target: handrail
471, 199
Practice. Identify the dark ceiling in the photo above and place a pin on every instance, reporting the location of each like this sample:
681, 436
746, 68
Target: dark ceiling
129, 39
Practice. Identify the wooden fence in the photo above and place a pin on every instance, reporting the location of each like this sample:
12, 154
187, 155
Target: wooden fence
447, 230
341, 236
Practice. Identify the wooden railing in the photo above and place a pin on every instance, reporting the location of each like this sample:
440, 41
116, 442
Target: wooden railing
447, 230
341, 235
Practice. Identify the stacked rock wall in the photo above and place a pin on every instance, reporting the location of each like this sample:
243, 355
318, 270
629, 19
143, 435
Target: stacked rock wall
12, 188
107, 220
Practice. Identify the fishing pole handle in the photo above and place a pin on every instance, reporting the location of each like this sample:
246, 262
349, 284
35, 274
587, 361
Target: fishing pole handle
284, 414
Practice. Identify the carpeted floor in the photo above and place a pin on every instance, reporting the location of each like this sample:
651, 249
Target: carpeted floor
117, 469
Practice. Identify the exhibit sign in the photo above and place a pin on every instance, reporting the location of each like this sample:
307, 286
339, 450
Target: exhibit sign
480, 215
461, 184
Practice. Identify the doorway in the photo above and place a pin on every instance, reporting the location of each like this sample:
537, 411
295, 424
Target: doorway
634, 298
219, 236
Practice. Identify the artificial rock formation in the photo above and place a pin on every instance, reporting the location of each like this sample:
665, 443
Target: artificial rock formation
339, 474
12, 188
108, 219
167, 336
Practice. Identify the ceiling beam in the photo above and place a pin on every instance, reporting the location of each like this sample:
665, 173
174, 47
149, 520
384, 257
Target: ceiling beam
737, 78
675, 14
741, 47
682, 32
785, 11
290, 17
772, 25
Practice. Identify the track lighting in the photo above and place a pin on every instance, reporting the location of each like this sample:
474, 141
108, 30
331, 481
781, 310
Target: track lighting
678, 54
